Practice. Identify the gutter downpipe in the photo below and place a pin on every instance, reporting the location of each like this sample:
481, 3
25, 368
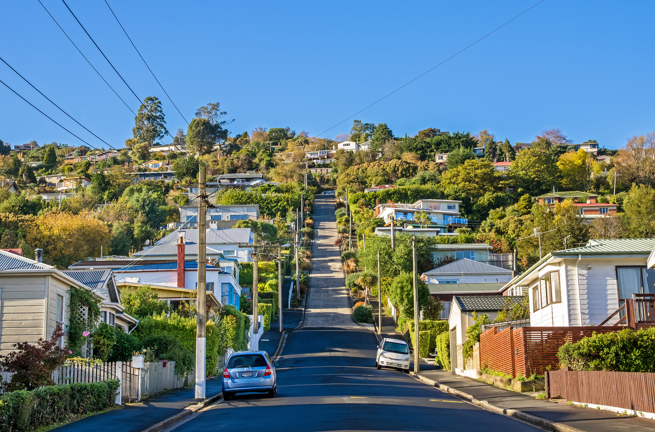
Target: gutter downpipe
577, 282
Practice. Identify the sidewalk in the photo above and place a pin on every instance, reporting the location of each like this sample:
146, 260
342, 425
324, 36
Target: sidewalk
567, 417
388, 324
291, 319
139, 416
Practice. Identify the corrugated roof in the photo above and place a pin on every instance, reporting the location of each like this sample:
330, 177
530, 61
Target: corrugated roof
10, 261
170, 249
94, 279
612, 246
240, 176
567, 194
485, 303
214, 236
188, 265
467, 266
465, 287
461, 246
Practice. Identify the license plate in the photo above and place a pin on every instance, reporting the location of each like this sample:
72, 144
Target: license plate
246, 374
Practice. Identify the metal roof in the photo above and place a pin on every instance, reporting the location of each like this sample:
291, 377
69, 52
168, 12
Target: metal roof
465, 287
188, 265
567, 194
214, 236
485, 303
94, 279
467, 266
612, 246
11, 261
461, 246
240, 176
170, 249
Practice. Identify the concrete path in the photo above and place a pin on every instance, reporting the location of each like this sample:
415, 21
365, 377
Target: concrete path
328, 304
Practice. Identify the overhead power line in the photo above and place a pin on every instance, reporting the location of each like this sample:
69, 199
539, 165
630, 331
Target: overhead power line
144, 62
103, 54
50, 118
87, 60
433, 68
58, 107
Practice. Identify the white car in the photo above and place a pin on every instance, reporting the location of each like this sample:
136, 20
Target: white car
393, 353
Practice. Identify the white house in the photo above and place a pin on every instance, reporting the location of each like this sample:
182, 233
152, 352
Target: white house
223, 243
189, 214
441, 213
353, 146
585, 285
72, 183
34, 300
427, 232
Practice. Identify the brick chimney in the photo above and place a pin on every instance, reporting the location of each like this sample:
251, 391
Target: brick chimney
180, 260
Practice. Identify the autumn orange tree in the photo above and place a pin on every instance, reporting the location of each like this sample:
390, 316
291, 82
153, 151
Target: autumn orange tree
66, 237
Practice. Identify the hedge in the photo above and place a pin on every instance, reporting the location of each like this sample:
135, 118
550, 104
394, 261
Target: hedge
24, 410
267, 270
625, 351
266, 310
183, 329
273, 303
351, 279
443, 349
424, 341
434, 327
239, 340
364, 314
348, 254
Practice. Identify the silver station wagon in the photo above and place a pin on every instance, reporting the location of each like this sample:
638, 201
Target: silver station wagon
249, 371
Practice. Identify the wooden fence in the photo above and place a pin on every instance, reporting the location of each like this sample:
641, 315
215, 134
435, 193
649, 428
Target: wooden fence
88, 373
530, 350
633, 391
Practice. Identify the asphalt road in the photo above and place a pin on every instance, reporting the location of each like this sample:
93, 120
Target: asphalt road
327, 381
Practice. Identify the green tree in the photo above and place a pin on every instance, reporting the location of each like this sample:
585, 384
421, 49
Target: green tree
142, 302
150, 203
639, 208
5, 149
534, 171
458, 156
27, 174
15, 166
360, 132
475, 177
576, 169
187, 167
200, 137
277, 134
212, 112
507, 151
99, 184
401, 293
381, 135
428, 133
50, 157
149, 123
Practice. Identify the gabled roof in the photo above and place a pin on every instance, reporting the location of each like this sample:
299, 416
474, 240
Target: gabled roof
170, 249
11, 261
567, 194
100, 282
466, 288
461, 246
188, 265
240, 176
230, 235
485, 303
467, 266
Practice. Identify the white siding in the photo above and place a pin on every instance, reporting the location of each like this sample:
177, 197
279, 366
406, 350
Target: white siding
22, 310
55, 286
555, 314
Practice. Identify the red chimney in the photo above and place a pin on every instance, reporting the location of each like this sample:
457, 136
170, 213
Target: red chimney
180, 260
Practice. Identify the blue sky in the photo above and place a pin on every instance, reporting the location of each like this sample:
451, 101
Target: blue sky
585, 67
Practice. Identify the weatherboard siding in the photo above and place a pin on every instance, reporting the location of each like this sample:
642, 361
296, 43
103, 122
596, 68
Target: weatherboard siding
55, 286
22, 310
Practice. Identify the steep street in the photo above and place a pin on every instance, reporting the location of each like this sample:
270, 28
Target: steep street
326, 374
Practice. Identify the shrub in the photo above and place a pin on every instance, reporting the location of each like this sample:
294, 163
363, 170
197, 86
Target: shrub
358, 304
238, 339
364, 314
351, 280
351, 265
434, 327
625, 351
184, 330
307, 232
348, 254
33, 364
104, 339
166, 347
473, 334
273, 302
304, 278
443, 349
423, 343
341, 212
271, 285
125, 346
24, 410
142, 302
266, 310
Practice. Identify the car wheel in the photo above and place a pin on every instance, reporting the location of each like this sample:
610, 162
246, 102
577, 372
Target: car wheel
227, 396
406, 370
271, 393
377, 365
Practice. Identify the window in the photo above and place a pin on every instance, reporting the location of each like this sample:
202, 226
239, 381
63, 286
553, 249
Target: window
535, 299
544, 292
635, 280
59, 316
208, 285
451, 206
192, 218
603, 210
445, 282
549, 201
109, 318
238, 217
555, 285
229, 253
465, 254
215, 217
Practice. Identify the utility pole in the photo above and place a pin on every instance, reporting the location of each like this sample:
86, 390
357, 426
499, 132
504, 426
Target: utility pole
279, 283
538, 235
201, 290
379, 298
296, 244
255, 297
393, 236
302, 210
416, 326
614, 181
364, 242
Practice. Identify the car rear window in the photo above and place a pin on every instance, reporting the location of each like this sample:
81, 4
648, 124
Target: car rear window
395, 347
252, 360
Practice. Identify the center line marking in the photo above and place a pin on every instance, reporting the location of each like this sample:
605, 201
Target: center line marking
357, 397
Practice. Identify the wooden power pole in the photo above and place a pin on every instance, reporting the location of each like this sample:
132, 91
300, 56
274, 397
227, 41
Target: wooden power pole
201, 290
416, 326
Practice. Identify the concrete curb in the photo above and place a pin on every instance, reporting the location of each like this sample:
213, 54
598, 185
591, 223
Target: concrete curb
191, 409
280, 346
520, 415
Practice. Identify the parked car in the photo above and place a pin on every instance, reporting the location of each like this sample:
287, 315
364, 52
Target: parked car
249, 371
393, 353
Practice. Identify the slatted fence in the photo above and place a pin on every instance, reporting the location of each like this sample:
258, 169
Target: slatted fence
530, 350
633, 391
88, 373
